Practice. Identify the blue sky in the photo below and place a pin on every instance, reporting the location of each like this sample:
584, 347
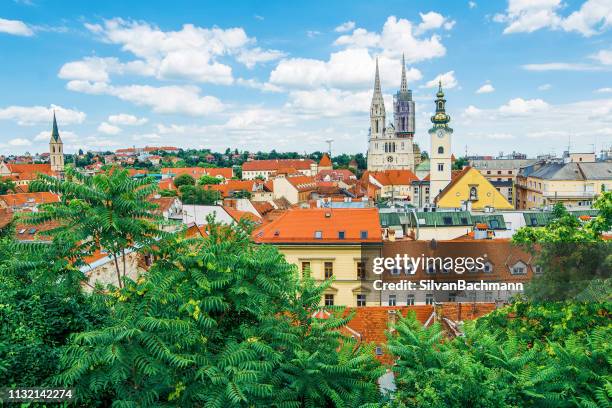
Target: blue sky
524, 75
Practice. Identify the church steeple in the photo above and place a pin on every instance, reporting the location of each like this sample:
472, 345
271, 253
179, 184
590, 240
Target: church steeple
377, 89
440, 119
55, 132
377, 109
56, 149
404, 85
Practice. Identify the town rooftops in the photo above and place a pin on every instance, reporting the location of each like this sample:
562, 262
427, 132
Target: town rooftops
322, 225
325, 161
196, 172
392, 177
574, 171
29, 199
501, 164
276, 164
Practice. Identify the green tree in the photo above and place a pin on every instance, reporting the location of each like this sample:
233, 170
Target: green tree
220, 322
459, 163
208, 180
198, 195
242, 194
574, 258
109, 211
7, 185
184, 180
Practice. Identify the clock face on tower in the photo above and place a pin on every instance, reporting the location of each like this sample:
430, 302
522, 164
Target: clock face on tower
440, 133
390, 159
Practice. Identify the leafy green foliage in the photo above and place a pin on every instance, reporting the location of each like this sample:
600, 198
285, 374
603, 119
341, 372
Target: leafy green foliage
184, 180
208, 180
575, 260
219, 322
502, 363
6, 185
199, 195
109, 211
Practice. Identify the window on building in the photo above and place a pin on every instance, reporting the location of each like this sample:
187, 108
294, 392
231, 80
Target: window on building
452, 297
318, 234
473, 193
341, 234
379, 351
429, 299
395, 271
329, 270
426, 190
538, 269
410, 269
440, 166
431, 269
519, 269
329, 300
305, 267
363, 234
488, 296
488, 171
392, 300
440, 150
447, 220
488, 267
509, 171
361, 300
410, 300
499, 172
360, 270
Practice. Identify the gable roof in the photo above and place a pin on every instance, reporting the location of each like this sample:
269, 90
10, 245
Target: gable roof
325, 161
276, 164
302, 225
21, 199
391, 177
303, 183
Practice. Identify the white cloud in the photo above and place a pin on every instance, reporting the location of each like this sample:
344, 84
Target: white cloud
560, 66
98, 69
262, 86
173, 128
45, 136
312, 33
163, 99
526, 16
19, 142
486, 88
28, 115
344, 27
251, 57
349, 68
433, 21
499, 136
472, 4
520, 106
109, 129
472, 111
329, 102
191, 53
544, 87
125, 119
15, 27
604, 90
397, 36
604, 57
448, 81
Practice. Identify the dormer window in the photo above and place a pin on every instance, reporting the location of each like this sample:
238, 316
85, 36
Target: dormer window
318, 234
519, 268
341, 234
363, 234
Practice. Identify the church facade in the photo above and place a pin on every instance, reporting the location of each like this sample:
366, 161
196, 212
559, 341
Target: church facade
391, 145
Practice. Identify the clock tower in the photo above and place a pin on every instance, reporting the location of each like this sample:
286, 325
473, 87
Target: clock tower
440, 153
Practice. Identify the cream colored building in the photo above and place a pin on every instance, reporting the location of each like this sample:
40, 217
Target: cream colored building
338, 244
575, 184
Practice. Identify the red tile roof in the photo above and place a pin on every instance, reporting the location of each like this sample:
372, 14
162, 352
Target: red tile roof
336, 175
273, 165
20, 199
238, 215
6, 216
197, 172
303, 183
325, 161
392, 177
303, 224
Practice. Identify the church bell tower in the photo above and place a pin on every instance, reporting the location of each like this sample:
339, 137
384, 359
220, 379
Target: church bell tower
56, 149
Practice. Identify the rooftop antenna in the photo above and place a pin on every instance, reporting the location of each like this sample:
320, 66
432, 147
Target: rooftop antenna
329, 145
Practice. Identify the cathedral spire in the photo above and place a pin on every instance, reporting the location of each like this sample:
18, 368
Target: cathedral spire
404, 85
440, 119
377, 80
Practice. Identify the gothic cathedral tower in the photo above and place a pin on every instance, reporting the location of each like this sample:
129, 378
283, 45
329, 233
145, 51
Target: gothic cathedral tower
390, 147
56, 149
440, 154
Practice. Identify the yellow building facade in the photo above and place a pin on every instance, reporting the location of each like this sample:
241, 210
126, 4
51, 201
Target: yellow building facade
472, 187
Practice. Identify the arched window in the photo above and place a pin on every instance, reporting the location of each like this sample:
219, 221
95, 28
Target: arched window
473, 193
440, 150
